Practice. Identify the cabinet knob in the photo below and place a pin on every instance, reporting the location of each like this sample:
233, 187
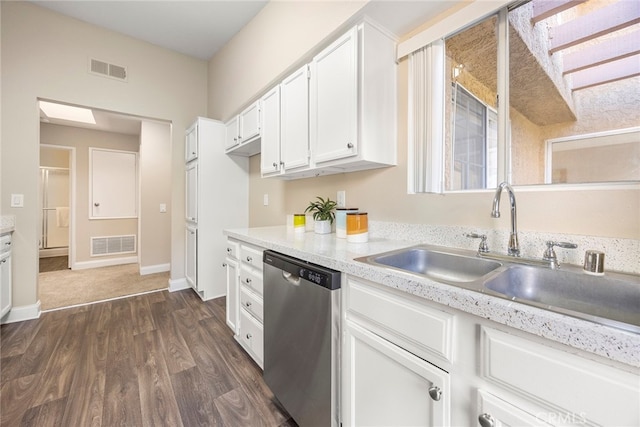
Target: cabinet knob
224, 264
3, 261
96, 204
239, 136
282, 164
247, 304
228, 250
235, 139
249, 259
486, 420
247, 280
275, 165
248, 336
435, 393
193, 153
349, 145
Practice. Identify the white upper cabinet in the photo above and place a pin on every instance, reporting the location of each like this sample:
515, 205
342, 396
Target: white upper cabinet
334, 99
270, 140
294, 138
231, 133
353, 102
191, 143
243, 132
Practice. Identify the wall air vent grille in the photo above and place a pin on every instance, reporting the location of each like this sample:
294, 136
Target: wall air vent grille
113, 245
106, 69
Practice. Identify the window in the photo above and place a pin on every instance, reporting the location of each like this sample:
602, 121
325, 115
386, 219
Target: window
475, 139
584, 80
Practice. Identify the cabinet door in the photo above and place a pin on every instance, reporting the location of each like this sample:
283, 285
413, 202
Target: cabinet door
231, 133
334, 91
295, 119
233, 290
191, 192
191, 261
250, 123
270, 138
5, 285
385, 385
191, 143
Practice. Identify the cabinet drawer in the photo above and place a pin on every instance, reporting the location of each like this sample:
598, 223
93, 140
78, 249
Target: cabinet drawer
251, 255
251, 302
417, 327
566, 383
251, 279
251, 335
5, 243
233, 249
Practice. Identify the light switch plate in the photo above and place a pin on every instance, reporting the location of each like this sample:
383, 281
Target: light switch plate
342, 199
265, 200
163, 207
17, 200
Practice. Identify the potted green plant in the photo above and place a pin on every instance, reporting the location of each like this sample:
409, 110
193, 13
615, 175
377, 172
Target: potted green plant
323, 214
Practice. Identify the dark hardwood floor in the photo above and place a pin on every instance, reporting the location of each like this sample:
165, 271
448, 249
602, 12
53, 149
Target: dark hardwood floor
159, 359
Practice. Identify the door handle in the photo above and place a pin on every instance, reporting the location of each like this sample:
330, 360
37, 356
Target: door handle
294, 280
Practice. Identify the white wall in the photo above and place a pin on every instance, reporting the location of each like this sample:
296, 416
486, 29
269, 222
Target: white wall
45, 55
155, 189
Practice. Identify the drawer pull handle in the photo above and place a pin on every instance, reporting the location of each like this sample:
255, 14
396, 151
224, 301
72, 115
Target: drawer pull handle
249, 259
247, 280
435, 393
247, 304
486, 420
248, 336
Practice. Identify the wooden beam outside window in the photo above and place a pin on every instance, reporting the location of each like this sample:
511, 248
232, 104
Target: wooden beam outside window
607, 73
543, 9
610, 50
602, 21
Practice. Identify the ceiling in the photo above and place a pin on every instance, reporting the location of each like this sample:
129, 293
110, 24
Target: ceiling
195, 28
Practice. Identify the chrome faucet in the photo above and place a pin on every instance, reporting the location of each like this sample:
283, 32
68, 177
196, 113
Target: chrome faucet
514, 247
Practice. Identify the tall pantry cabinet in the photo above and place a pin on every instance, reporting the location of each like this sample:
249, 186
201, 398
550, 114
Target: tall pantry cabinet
217, 197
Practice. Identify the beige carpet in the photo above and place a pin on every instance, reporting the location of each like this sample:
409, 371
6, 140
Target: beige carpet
70, 287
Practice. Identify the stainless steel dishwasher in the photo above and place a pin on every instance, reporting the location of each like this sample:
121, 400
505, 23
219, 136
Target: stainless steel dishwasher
302, 338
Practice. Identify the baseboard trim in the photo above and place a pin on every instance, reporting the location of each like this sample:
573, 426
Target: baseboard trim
152, 269
22, 313
178, 285
49, 253
104, 263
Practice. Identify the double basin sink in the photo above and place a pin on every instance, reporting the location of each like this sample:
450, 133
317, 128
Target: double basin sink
612, 299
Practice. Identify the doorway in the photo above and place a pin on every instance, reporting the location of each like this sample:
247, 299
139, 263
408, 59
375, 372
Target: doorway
56, 206
91, 273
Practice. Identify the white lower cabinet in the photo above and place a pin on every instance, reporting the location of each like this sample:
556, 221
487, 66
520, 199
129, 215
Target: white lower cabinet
191, 258
385, 385
402, 353
244, 297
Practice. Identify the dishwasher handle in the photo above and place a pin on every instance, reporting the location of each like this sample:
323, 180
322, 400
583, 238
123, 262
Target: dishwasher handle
291, 278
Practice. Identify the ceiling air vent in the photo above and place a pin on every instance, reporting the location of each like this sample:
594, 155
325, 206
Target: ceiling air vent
105, 69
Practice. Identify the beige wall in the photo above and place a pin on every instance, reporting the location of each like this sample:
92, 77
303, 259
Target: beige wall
82, 140
45, 55
155, 189
383, 192
270, 46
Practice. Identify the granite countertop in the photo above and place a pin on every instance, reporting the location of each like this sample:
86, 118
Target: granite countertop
329, 251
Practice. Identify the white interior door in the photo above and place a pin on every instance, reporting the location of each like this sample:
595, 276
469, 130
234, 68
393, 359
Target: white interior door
114, 184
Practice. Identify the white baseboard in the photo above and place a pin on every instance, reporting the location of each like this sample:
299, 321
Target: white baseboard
22, 313
48, 253
178, 285
104, 263
158, 268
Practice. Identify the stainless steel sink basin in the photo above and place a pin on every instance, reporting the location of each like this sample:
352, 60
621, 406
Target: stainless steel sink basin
607, 299
441, 265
